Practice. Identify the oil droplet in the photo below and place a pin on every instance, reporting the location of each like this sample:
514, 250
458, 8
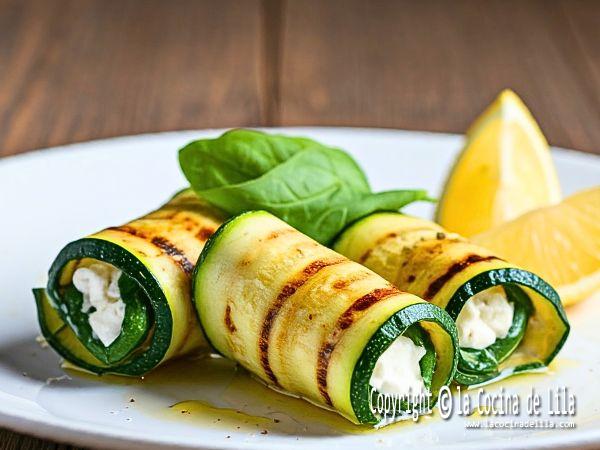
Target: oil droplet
561, 363
226, 418
217, 393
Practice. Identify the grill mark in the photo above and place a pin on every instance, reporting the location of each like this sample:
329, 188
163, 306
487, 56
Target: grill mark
205, 233
130, 230
379, 241
176, 255
162, 243
344, 283
341, 284
277, 233
228, 322
168, 214
181, 261
189, 223
287, 291
458, 266
171, 214
393, 234
344, 321
436, 249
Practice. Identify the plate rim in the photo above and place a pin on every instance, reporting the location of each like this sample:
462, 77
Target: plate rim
94, 435
121, 139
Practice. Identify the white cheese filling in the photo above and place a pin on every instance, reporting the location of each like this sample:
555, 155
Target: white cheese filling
486, 316
99, 284
397, 370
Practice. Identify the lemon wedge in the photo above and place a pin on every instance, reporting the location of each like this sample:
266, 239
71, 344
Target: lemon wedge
504, 170
560, 243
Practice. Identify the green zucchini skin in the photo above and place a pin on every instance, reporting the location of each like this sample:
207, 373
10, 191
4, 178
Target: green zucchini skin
393, 327
283, 306
207, 250
484, 363
508, 277
420, 257
154, 254
56, 332
122, 259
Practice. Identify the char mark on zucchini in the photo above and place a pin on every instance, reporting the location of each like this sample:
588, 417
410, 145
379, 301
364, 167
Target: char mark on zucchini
458, 266
176, 254
380, 241
287, 291
128, 229
205, 233
228, 322
159, 322
347, 282
278, 233
167, 247
503, 344
162, 243
342, 336
345, 321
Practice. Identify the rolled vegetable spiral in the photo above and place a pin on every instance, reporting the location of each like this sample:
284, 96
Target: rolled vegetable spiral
420, 257
119, 301
308, 321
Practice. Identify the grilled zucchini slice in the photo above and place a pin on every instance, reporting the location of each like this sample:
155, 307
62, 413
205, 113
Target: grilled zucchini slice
156, 256
420, 257
308, 321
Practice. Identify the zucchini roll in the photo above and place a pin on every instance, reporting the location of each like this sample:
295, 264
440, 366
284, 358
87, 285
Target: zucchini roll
119, 301
311, 323
509, 320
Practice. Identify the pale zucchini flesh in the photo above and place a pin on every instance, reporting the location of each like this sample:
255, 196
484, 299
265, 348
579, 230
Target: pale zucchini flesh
305, 319
420, 257
156, 255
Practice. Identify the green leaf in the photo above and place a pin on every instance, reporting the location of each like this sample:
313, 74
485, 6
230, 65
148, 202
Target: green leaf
316, 189
487, 360
135, 328
237, 156
382, 201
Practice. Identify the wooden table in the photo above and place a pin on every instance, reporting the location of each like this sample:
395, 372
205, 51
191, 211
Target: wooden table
74, 70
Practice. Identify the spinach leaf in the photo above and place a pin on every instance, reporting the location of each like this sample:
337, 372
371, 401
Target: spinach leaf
236, 156
135, 328
315, 188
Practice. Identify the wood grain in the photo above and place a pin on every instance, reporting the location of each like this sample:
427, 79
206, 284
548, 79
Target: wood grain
74, 70
435, 65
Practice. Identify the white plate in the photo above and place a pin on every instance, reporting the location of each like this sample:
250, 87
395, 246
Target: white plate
51, 197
